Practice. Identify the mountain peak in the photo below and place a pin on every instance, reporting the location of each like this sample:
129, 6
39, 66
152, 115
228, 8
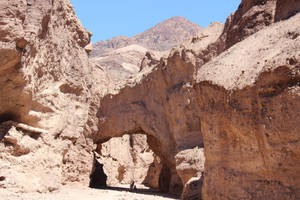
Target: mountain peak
177, 22
161, 37
177, 19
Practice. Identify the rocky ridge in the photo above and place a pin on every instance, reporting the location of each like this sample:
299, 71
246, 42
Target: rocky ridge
121, 57
161, 37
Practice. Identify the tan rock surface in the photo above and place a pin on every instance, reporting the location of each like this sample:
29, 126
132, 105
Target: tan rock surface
250, 120
138, 108
126, 159
190, 163
248, 156
123, 63
236, 95
153, 174
44, 77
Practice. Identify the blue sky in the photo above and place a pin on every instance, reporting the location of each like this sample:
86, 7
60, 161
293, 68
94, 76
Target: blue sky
110, 18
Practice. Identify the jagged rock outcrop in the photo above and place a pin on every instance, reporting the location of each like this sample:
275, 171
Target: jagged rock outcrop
242, 107
45, 78
251, 16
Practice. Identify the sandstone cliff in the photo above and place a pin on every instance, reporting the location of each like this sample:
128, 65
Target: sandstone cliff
44, 99
249, 104
242, 107
140, 108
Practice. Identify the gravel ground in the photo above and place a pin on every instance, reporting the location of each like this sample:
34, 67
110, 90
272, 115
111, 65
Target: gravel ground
80, 193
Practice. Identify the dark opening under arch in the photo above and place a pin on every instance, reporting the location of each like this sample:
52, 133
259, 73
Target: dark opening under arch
97, 178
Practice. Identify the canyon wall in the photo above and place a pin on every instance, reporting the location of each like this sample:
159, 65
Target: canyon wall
235, 95
248, 102
123, 59
220, 112
147, 105
128, 159
45, 78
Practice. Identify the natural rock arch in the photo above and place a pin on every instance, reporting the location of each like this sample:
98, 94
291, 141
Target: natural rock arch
152, 111
239, 116
169, 180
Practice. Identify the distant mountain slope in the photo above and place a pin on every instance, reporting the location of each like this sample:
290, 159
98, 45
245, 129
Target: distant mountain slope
161, 37
125, 61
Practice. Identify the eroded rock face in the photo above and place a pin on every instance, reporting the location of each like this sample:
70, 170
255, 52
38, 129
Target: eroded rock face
250, 117
11, 31
251, 16
148, 107
44, 78
190, 168
241, 106
226, 106
286, 9
127, 159
192, 189
153, 173
190, 163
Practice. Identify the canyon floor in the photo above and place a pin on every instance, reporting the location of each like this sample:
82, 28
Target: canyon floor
79, 193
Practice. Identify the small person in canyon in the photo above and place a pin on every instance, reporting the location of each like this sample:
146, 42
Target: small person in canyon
132, 187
